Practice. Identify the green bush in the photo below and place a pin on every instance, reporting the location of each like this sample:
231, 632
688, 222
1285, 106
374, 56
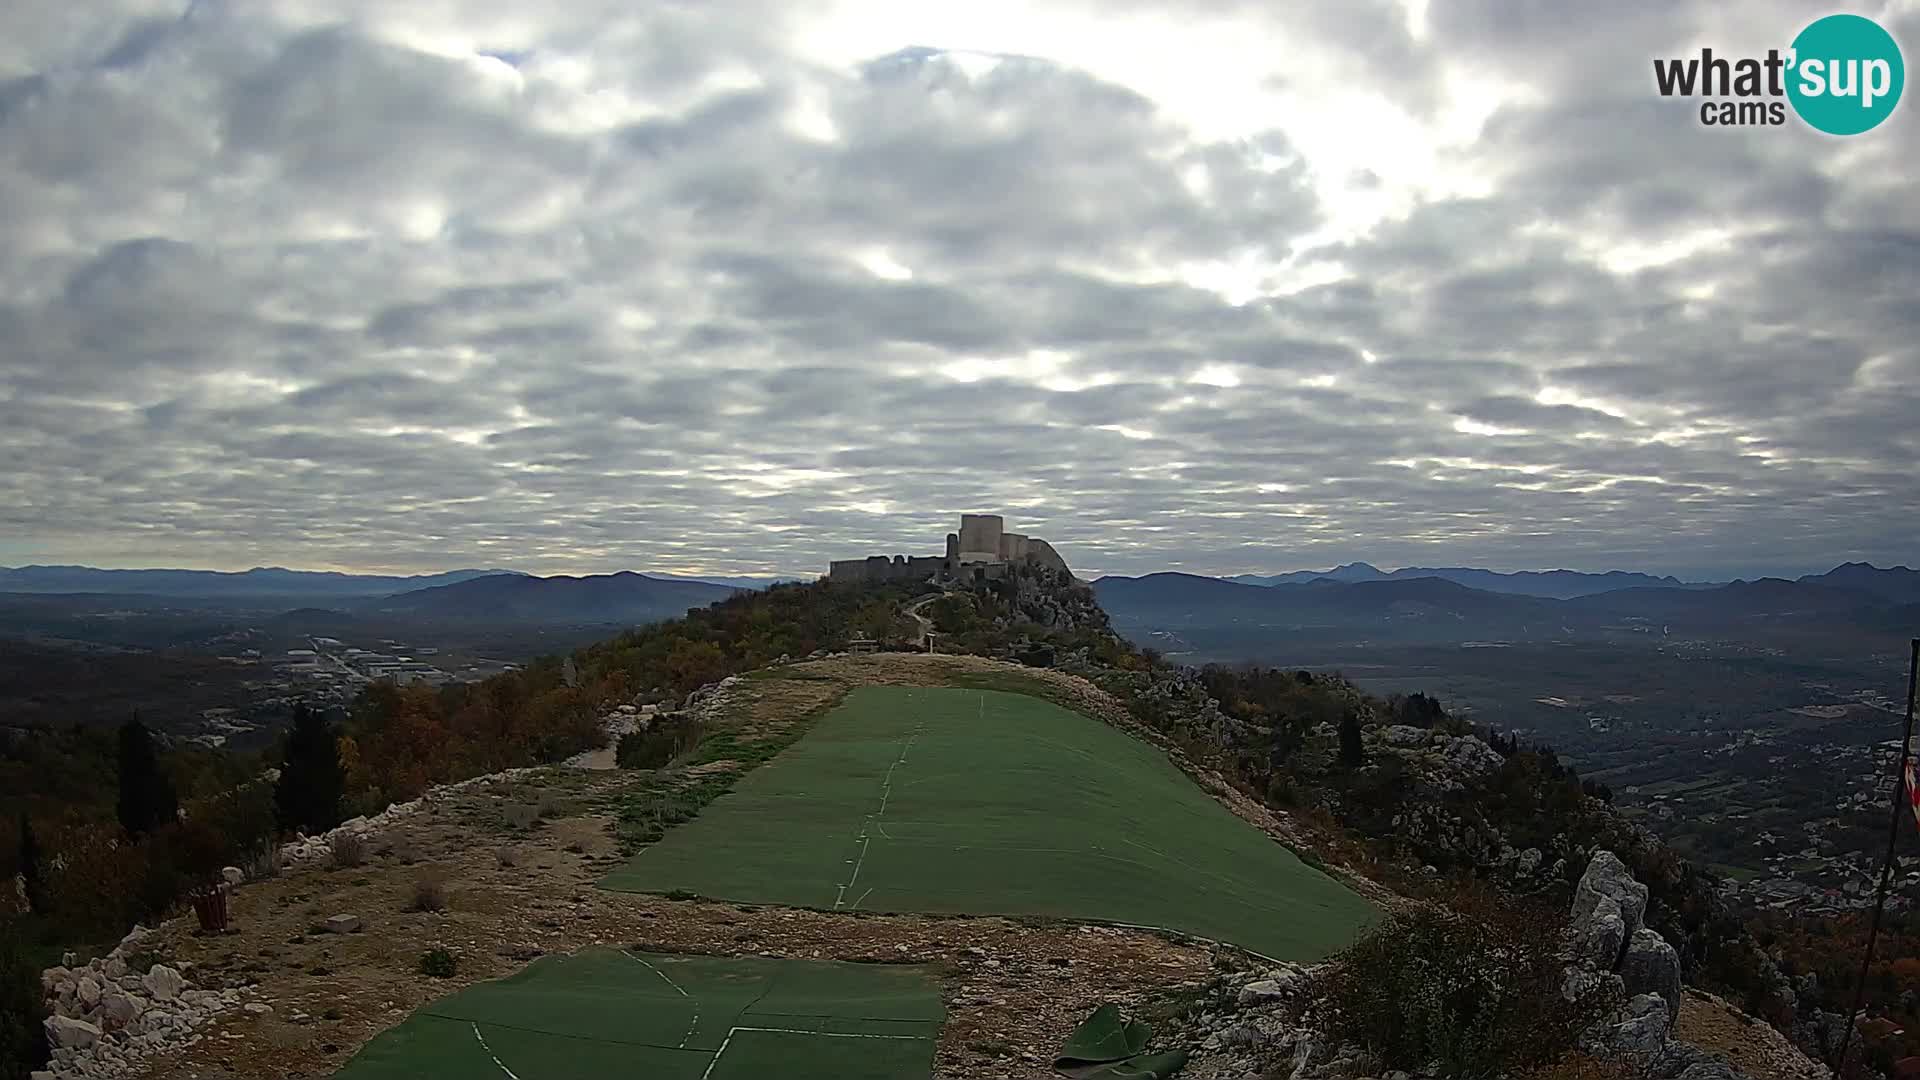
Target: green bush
23, 1043
438, 964
1476, 989
429, 894
657, 746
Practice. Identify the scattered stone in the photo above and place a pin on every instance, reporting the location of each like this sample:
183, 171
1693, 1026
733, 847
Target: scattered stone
1263, 992
1404, 735
1639, 1033
119, 1010
258, 1008
70, 1034
163, 982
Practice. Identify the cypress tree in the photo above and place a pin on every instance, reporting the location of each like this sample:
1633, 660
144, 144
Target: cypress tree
1352, 753
307, 796
23, 1007
147, 800
30, 865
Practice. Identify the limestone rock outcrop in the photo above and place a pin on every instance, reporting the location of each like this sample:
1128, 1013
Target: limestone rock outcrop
1607, 878
1651, 966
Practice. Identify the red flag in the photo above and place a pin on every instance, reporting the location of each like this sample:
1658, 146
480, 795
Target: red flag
1913, 790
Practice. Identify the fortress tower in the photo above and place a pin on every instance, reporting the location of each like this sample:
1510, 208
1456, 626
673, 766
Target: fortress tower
983, 546
980, 536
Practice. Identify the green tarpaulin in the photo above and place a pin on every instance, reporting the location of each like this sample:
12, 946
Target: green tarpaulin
917, 799
606, 1014
1106, 1046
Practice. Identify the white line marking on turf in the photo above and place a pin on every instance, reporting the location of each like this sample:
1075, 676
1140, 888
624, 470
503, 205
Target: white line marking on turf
731, 1032
695, 1022
829, 1034
489, 1050
657, 971
863, 897
874, 819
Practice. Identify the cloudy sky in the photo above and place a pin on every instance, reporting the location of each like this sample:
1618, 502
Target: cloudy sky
743, 286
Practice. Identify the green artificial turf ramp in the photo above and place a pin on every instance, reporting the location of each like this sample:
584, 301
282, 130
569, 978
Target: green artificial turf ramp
603, 1014
980, 802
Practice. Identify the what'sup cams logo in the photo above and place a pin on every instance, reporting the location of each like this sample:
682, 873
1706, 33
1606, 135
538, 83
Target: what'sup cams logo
1843, 75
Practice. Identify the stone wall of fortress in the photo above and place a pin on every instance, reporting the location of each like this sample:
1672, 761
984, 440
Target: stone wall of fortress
981, 549
882, 568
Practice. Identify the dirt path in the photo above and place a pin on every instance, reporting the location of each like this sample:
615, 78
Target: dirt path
1758, 1050
926, 624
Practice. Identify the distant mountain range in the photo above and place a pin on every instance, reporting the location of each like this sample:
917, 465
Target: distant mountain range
1898, 584
622, 597
259, 582
268, 583
1557, 584
1435, 607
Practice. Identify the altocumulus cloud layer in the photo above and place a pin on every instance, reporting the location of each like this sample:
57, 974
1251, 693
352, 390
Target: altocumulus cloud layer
738, 287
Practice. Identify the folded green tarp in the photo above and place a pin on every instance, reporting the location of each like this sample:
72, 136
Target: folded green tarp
1108, 1047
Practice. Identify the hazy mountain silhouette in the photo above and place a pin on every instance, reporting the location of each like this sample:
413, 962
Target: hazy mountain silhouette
261, 581
1898, 583
1558, 584
621, 597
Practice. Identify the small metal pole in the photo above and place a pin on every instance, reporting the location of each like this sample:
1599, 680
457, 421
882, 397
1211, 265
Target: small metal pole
1901, 802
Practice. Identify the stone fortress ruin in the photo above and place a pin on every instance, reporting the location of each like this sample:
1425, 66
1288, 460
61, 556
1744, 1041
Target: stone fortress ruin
983, 550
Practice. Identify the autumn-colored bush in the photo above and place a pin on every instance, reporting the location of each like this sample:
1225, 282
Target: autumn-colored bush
97, 884
1475, 987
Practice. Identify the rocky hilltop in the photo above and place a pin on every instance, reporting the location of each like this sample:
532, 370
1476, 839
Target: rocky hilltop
1405, 803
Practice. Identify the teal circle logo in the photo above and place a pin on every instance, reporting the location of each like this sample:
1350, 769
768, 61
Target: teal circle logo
1847, 74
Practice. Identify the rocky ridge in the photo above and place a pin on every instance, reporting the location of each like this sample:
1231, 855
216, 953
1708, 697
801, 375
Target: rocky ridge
1257, 1023
107, 1016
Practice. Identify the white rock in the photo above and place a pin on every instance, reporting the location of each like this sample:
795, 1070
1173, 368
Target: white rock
88, 991
1404, 735
1607, 876
163, 982
343, 924
258, 1008
232, 875
65, 1031
120, 1010
1263, 992
1474, 757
